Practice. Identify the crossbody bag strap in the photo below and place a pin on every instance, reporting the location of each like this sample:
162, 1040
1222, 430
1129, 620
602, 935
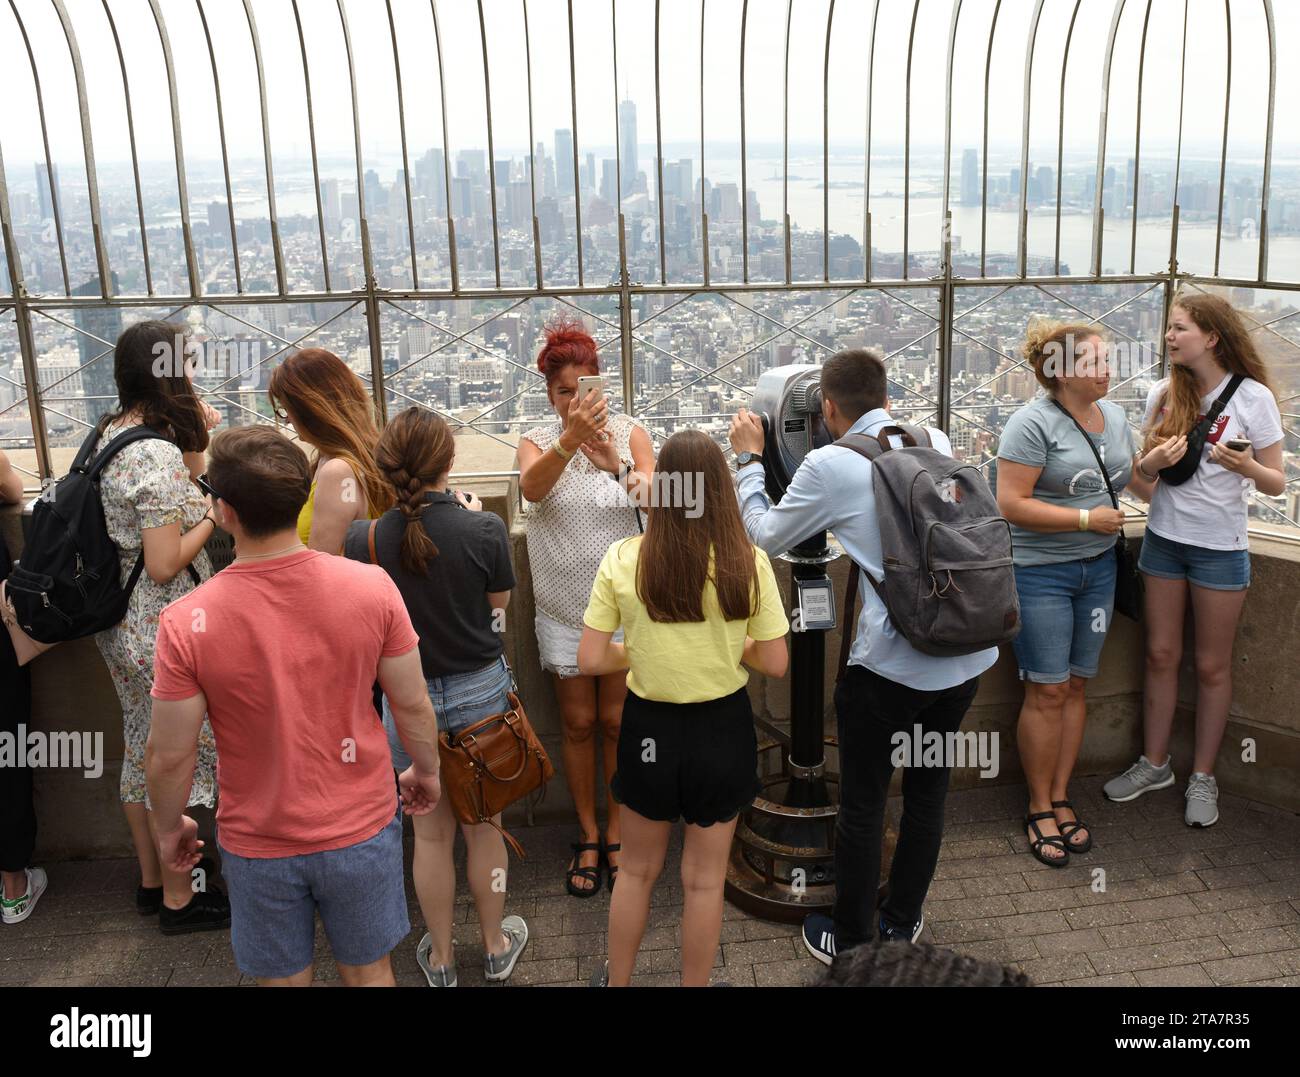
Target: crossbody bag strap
370, 541
1101, 464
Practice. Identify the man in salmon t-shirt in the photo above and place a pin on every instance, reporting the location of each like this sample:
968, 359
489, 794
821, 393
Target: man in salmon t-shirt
281, 651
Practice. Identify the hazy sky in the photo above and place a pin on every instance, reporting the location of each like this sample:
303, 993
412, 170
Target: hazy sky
680, 73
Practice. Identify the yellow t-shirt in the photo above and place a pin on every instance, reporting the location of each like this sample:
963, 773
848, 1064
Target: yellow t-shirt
683, 662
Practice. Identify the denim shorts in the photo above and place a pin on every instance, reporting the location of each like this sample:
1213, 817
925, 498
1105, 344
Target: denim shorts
1219, 570
1065, 612
459, 700
359, 891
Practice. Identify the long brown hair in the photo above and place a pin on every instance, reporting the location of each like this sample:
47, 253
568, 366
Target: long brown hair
333, 412
673, 565
1234, 351
415, 448
151, 379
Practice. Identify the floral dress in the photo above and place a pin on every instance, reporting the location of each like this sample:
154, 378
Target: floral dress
146, 485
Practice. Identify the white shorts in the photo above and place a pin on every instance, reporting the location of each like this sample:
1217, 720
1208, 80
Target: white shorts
557, 644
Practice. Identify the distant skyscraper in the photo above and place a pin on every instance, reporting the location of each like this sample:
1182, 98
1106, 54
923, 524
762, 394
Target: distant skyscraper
589, 172
47, 192
331, 209
100, 327
564, 162
970, 178
609, 181
501, 171
627, 144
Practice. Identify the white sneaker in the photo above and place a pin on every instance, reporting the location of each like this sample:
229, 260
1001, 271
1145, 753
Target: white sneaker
17, 910
1202, 800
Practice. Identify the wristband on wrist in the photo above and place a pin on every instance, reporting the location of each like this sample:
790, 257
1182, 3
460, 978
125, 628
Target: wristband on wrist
1083, 519
561, 451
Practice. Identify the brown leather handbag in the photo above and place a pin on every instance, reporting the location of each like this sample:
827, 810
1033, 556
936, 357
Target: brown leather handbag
488, 766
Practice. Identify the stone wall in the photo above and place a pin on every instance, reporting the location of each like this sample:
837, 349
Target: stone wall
80, 817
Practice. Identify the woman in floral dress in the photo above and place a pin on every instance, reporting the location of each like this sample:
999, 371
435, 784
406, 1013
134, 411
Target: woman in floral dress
152, 502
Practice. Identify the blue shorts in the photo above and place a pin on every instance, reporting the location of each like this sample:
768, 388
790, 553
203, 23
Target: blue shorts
359, 891
1065, 612
459, 700
1219, 570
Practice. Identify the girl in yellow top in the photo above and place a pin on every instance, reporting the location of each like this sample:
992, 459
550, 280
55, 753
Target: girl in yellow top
696, 602
331, 411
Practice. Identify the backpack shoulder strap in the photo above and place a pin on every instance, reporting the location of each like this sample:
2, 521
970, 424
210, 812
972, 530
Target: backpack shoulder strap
863, 445
120, 442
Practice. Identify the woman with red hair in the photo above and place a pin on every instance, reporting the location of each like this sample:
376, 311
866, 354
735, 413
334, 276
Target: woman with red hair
569, 470
328, 406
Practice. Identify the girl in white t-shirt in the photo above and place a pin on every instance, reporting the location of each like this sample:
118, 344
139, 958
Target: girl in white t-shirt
1195, 544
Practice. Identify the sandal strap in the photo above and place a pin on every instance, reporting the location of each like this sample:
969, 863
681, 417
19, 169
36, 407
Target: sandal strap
1062, 804
1039, 815
585, 847
612, 848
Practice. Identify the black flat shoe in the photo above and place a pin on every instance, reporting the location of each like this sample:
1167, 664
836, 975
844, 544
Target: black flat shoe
1075, 825
208, 911
149, 899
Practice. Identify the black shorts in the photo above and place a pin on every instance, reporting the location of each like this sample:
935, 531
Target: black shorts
694, 761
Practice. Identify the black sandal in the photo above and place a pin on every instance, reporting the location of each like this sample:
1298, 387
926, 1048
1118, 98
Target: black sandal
612, 869
592, 875
1035, 847
1076, 824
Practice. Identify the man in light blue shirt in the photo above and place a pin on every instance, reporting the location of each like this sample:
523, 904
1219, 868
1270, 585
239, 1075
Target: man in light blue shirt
889, 687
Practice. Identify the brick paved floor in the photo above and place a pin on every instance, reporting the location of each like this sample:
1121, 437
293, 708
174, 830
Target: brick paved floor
1179, 906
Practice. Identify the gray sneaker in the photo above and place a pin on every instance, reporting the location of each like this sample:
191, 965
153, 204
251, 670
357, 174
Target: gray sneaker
1202, 800
500, 966
443, 975
1142, 777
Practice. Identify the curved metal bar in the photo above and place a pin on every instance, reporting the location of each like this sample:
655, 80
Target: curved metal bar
907, 140
492, 164
785, 139
1060, 133
1097, 221
446, 153
366, 260
704, 210
618, 141
1137, 138
532, 152
49, 160
826, 151
311, 138
1022, 230
1223, 152
225, 153
659, 157
88, 150
182, 183
947, 118
277, 248
744, 173
984, 158
866, 163
1268, 139
577, 181
401, 126
135, 156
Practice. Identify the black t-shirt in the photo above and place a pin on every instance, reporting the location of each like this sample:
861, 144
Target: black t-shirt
449, 607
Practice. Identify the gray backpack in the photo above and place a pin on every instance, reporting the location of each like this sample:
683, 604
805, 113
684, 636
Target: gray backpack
949, 585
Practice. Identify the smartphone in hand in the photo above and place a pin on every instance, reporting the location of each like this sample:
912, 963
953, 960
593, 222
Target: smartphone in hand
592, 383
1238, 444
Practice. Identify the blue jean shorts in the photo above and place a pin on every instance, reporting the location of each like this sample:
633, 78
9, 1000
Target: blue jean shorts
1065, 612
459, 700
1219, 570
358, 890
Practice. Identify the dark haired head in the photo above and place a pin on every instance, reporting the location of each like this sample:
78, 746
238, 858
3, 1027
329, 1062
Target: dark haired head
855, 381
567, 344
415, 450
151, 369
900, 964
262, 475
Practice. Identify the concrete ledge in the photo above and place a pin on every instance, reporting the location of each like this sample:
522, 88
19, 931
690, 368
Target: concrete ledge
80, 817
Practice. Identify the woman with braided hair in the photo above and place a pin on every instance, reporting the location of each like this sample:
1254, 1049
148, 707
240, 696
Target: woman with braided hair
451, 563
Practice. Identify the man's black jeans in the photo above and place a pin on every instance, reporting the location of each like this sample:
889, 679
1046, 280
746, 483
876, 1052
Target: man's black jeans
869, 710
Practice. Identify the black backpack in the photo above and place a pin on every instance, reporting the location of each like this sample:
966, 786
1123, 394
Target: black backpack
949, 586
68, 582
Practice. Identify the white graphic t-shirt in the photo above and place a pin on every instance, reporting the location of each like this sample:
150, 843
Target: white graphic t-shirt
1209, 509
